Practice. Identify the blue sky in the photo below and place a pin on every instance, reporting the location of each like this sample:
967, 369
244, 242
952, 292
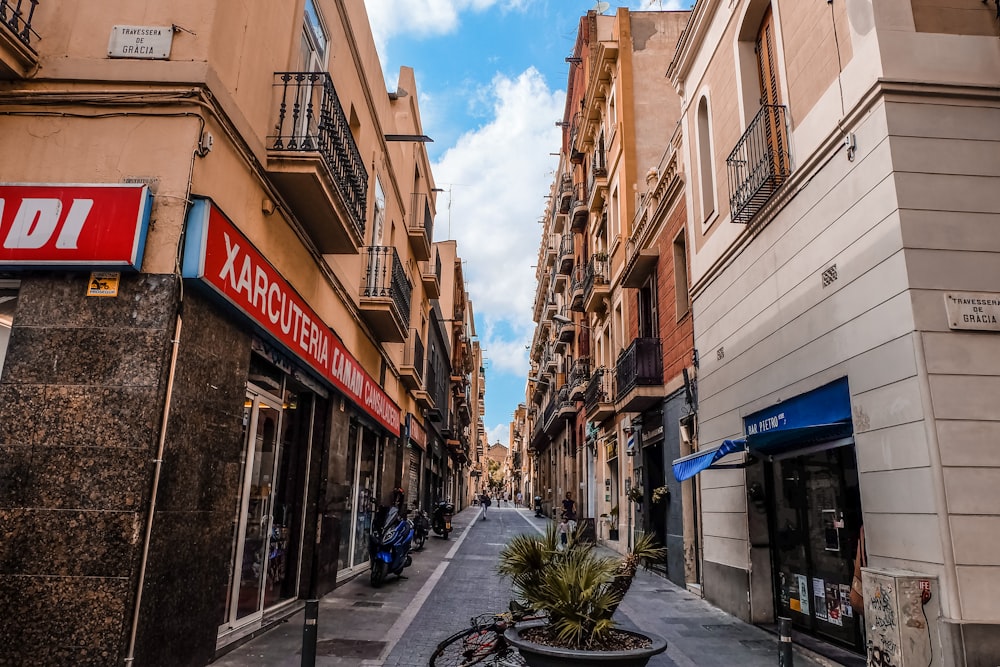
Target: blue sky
491, 80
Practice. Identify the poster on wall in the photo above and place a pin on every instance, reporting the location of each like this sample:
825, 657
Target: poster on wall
833, 604
803, 593
845, 601
819, 599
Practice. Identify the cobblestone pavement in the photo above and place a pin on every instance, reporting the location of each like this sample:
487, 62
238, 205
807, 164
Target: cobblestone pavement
401, 623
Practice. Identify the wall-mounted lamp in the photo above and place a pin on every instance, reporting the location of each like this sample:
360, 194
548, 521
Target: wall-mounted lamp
574, 61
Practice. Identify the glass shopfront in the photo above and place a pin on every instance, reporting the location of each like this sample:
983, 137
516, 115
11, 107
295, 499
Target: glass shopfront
281, 420
358, 495
815, 522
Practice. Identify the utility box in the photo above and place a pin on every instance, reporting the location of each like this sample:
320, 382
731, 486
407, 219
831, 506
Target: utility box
902, 610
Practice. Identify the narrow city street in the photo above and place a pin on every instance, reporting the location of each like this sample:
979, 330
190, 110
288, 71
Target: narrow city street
451, 581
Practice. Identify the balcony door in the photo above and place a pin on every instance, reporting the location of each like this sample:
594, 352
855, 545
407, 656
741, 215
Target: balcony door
770, 93
313, 59
648, 317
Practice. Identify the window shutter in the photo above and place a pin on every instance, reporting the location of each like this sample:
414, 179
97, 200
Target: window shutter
767, 70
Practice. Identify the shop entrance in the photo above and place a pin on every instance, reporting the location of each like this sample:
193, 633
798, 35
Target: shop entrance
281, 417
815, 519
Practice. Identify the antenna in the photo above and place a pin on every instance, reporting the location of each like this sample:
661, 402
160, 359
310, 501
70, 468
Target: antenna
601, 7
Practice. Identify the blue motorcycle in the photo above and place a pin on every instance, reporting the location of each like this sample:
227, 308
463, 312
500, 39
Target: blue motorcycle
389, 547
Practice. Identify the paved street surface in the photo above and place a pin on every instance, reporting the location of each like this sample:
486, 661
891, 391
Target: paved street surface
453, 580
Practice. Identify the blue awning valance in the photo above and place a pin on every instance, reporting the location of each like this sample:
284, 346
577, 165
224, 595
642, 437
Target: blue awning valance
687, 467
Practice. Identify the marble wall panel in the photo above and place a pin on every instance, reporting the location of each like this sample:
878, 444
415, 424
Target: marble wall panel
56, 623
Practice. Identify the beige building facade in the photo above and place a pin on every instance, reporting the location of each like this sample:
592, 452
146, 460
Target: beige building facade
218, 280
842, 200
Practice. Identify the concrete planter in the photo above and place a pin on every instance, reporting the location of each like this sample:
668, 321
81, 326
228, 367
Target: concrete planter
539, 655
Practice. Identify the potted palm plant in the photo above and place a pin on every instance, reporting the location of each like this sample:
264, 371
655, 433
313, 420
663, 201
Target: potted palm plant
578, 590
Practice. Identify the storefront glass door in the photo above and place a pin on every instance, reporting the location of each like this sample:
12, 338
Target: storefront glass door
250, 567
815, 519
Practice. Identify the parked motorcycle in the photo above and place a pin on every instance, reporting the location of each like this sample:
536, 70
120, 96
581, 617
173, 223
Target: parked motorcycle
389, 547
441, 518
538, 507
421, 529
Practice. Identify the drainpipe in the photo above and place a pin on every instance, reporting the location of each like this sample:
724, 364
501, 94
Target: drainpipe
157, 467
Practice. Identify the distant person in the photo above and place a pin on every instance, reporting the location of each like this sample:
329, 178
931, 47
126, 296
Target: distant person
569, 507
518, 499
563, 530
484, 500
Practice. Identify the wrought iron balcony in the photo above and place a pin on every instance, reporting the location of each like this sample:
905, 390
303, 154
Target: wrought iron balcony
385, 294
565, 254
411, 371
430, 276
314, 160
576, 289
598, 398
564, 404
16, 16
565, 193
17, 55
581, 213
639, 365
579, 377
759, 163
420, 226
595, 282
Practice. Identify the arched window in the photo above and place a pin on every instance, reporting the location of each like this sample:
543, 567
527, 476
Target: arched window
706, 170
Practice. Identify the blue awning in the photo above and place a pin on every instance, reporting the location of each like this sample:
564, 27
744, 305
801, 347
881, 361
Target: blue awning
688, 466
773, 443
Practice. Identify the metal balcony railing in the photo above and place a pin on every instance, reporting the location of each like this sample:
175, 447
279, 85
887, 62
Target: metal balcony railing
565, 192
311, 119
641, 363
580, 374
420, 217
596, 273
759, 163
413, 355
385, 277
17, 15
598, 389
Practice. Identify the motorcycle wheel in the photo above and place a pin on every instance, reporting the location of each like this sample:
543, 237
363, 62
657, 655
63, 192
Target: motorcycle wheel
378, 573
444, 534
418, 541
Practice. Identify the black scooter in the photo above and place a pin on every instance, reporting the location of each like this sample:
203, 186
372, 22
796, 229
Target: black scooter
538, 506
441, 518
421, 529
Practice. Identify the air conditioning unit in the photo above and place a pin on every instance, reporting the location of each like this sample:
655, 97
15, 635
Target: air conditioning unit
902, 609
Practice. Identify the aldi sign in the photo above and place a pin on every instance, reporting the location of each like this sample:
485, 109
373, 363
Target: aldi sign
73, 226
218, 254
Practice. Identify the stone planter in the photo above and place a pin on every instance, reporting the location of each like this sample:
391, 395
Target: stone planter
539, 655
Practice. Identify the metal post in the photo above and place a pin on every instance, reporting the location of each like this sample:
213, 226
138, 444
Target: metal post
309, 632
784, 642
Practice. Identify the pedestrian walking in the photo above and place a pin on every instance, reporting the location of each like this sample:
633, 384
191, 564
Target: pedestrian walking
563, 530
569, 506
517, 499
484, 500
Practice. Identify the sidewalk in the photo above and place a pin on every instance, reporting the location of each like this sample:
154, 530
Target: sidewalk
450, 581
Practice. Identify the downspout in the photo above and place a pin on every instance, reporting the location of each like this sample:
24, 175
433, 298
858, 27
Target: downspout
157, 468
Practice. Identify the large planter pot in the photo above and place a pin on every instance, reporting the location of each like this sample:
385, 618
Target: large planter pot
539, 655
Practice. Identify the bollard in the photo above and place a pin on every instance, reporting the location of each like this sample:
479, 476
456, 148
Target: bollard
309, 632
784, 642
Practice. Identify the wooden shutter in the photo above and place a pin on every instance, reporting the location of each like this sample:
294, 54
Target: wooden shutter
770, 96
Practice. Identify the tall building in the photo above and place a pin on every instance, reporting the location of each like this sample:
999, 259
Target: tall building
606, 388
842, 206
217, 275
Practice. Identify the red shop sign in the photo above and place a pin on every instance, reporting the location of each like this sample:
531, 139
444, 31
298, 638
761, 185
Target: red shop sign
73, 226
218, 254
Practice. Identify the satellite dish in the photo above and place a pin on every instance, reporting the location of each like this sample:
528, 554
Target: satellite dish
601, 7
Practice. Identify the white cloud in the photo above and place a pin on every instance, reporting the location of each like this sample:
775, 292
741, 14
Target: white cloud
497, 177
425, 17
499, 433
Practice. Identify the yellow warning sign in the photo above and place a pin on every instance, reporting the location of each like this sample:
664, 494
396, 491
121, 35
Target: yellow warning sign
103, 283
